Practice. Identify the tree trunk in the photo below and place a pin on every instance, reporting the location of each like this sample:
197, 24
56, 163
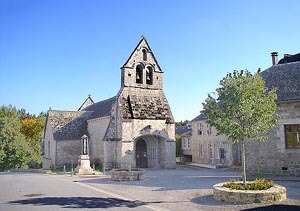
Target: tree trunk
244, 161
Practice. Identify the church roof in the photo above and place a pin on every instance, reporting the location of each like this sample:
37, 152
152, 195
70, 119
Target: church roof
68, 125
71, 125
286, 77
101, 109
146, 107
86, 103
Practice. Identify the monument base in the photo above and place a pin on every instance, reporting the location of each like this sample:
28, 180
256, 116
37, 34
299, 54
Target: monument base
84, 166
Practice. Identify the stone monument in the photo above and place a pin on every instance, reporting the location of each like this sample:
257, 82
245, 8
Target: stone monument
128, 155
84, 167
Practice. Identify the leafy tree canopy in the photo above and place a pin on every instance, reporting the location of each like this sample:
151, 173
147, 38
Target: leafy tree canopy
245, 107
20, 135
32, 128
14, 151
244, 110
182, 123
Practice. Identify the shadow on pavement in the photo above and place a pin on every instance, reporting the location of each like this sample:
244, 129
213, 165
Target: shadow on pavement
208, 200
79, 202
275, 207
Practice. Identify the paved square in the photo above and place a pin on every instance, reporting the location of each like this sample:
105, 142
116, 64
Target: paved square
184, 188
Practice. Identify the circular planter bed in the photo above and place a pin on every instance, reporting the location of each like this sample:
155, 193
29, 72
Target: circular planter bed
275, 193
126, 175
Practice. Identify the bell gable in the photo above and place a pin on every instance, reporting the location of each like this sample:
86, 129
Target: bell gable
142, 69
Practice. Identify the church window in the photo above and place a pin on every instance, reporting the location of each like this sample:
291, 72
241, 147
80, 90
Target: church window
144, 55
139, 74
292, 136
149, 76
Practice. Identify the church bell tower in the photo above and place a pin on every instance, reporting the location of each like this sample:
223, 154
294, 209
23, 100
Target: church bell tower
142, 70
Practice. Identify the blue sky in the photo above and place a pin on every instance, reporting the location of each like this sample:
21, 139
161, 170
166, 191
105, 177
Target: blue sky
54, 53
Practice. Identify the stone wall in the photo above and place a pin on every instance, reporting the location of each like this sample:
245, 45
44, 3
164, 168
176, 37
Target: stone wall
66, 151
170, 154
129, 68
112, 154
273, 194
272, 157
114, 129
206, 146
49, 149
186, 145
135, 128
152, 131
96, 132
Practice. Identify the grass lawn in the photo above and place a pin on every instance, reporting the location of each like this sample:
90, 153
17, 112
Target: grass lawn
60, 170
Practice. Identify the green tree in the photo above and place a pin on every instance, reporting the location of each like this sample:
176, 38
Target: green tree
245, 109
32, 128
14, 151
181, 123
178, 145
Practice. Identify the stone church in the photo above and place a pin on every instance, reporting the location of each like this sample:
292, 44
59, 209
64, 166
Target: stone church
138, 118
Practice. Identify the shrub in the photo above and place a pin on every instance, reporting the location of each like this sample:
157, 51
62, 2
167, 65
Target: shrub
142, 116
258, 184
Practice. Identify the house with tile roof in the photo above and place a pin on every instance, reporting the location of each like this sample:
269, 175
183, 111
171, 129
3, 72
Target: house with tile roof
185, 134
209, 148
280, 154
138, 118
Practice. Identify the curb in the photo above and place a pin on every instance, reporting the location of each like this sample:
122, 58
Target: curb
42, 171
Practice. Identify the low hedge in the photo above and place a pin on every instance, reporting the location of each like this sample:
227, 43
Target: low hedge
258, 184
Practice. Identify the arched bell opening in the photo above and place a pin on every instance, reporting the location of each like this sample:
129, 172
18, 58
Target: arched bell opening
139, 74
149, 76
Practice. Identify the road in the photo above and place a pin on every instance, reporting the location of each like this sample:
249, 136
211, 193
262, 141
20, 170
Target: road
32, 191
184, 188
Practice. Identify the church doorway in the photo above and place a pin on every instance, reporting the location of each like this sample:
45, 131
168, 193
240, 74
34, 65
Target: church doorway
141, 154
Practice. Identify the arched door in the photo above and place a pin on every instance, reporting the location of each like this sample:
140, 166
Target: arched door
141, 154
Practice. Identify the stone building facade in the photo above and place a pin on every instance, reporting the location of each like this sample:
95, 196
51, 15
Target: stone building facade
185, 134
280, 154
138, 118
211, 149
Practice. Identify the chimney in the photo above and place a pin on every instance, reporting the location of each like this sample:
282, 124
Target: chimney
274, 58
